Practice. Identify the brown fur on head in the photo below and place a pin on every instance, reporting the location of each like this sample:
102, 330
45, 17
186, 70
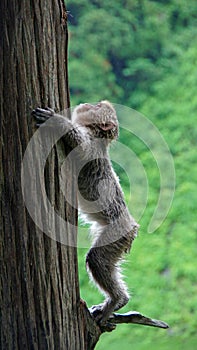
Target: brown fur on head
100, 118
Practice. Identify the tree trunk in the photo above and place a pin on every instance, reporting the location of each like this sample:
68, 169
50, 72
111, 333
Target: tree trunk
40, 304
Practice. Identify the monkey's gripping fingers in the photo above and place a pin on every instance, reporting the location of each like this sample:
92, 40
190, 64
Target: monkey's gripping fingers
96, 311
42, 115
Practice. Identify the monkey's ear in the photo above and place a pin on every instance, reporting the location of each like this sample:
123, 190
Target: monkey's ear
106, 126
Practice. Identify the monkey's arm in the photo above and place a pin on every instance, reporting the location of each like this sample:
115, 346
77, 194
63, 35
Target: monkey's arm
71, 134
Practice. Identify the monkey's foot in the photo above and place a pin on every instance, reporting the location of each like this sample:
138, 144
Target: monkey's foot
97, 312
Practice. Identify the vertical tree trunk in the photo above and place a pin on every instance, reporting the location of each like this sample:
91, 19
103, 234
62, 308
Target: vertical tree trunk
39, 292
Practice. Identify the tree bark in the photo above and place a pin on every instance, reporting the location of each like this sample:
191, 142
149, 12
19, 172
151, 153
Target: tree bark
40, 304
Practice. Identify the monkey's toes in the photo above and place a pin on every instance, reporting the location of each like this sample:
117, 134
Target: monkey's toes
96, 312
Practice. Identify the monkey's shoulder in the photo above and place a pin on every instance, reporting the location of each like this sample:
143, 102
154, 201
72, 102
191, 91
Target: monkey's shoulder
77, 136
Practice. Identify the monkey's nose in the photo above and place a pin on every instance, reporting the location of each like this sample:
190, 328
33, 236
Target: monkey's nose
98, 105
86, 105
106, 126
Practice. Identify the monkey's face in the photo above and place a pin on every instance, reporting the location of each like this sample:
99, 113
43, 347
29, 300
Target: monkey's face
100, 118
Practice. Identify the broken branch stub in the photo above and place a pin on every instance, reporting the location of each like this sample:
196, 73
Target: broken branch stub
132, 317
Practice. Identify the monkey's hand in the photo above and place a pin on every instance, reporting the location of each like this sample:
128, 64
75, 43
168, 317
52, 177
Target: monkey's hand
48, 118
42, 115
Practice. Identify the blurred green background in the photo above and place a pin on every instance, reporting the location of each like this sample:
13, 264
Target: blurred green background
143, 54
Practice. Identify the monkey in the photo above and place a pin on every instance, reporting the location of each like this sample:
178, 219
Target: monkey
90, 132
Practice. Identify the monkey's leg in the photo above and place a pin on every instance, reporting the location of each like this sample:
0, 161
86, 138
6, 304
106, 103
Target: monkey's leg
102, 263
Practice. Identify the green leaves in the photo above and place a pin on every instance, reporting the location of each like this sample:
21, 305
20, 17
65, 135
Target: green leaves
143, 54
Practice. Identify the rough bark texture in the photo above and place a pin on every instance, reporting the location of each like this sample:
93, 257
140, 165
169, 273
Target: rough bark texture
39, 292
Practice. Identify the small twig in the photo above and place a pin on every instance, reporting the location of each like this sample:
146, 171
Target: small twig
136, 317
132, 317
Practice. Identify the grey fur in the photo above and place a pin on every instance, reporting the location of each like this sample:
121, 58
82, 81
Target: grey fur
101, 199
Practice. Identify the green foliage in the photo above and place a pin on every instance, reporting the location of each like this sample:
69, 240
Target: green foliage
143, 54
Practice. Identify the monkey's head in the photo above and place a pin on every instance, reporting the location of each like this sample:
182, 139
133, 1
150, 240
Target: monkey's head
100, 118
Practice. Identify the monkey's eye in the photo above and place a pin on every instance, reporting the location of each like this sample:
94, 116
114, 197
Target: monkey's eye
106, 126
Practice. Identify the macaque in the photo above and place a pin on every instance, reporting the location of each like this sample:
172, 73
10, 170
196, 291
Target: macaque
90, 132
